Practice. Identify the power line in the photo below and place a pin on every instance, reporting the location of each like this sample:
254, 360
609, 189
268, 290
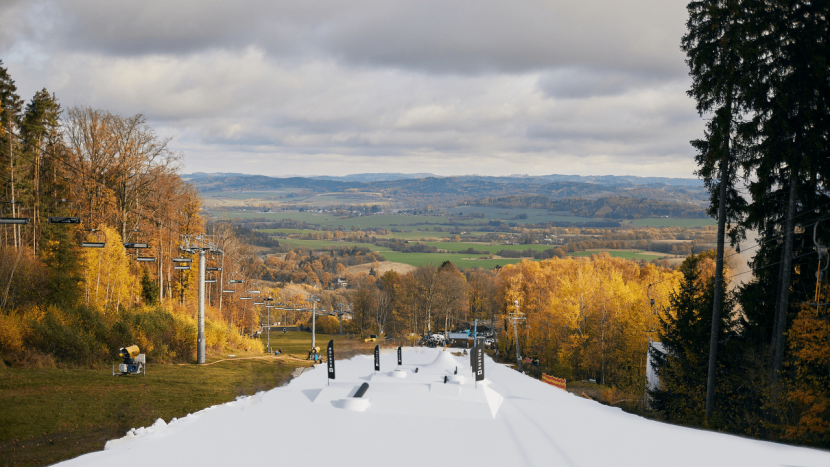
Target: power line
779, 236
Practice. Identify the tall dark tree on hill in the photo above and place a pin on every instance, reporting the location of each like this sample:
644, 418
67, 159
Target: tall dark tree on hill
714, 44
10, 107
789, 93
40, 131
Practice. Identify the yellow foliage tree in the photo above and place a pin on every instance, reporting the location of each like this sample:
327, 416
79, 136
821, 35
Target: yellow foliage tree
809, 396
588, 317
109, 282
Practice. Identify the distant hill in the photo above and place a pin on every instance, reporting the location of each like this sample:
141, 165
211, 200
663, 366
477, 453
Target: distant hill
617, 180
412, 190
379, 177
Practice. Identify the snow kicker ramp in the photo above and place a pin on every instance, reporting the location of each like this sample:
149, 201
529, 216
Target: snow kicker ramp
409, 418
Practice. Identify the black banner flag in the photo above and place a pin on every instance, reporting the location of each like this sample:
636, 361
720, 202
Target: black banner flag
400, 357
377, 358
330, 358
479, 362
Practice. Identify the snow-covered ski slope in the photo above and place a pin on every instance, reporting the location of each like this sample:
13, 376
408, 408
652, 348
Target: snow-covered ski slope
415, 419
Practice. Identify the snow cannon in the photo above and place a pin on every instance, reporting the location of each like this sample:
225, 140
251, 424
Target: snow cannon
130, 352
134, 361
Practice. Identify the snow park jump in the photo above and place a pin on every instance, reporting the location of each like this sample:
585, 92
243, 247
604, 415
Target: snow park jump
408, 416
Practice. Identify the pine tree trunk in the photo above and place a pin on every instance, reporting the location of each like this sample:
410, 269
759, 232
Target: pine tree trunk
784, 295
717, 303
160, 273
98, 280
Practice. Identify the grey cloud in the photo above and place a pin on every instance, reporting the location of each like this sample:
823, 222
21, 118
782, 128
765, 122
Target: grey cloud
12, 13
324, 86
430, 35
492, 35
576, 83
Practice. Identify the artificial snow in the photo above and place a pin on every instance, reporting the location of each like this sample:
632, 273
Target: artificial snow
413, 418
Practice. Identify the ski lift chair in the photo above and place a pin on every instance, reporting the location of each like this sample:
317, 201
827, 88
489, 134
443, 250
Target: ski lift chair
213, 253
54, 218
138, 246
182, 263
210, 280
823, 254
12, 220
96, 239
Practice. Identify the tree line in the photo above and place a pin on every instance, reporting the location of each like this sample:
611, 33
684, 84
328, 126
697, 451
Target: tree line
94, 212
611, 207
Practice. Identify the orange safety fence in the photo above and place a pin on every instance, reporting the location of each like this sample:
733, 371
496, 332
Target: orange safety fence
554, 381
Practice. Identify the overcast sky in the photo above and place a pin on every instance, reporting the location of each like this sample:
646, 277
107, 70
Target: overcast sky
333, 87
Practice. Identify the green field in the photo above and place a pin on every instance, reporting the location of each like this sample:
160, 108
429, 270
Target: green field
279, 232
411, 230
54, 414
463, 261
669, 222
326, 244
435, 259
460, 246
418, 235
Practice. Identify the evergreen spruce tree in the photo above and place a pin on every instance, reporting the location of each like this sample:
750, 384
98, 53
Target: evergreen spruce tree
60, 254
714, 45
149, 289
789, 94
683, 366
